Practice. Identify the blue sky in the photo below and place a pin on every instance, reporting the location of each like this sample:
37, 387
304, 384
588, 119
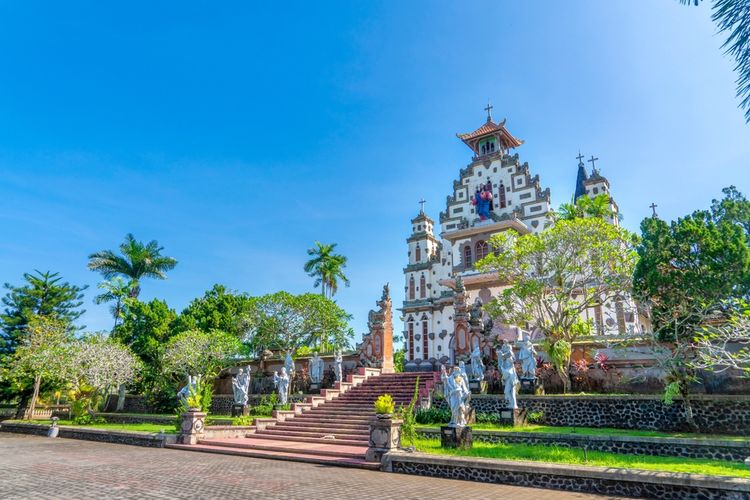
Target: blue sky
237, 135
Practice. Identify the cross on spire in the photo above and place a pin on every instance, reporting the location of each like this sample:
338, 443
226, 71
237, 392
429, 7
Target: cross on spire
592, 160
653, 209
421, 205
488, 109
579, 157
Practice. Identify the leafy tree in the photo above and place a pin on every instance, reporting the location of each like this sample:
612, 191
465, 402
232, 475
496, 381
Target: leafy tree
287, 322
43, 294
326, 267
585, 206
556, 275
733, 17
194, 352
115, 290
218, 309
43, 354
136, 261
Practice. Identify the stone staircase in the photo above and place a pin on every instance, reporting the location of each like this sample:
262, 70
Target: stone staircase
332, 428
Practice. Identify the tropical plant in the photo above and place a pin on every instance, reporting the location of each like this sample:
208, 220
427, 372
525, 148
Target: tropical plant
384, 405
433, 416
218, 309
326, 267
600, 206
556, 276
136, 261
116, 290
200, 353
733, 17
409, 418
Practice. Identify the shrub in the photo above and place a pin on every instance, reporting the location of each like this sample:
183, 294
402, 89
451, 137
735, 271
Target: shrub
408, 425
433, 416
535, 417
242, 420
88, 419
265, 407
384, 405
488, 418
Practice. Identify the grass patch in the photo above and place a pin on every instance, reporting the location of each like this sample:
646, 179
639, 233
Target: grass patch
596, 458
594, 431
152, 428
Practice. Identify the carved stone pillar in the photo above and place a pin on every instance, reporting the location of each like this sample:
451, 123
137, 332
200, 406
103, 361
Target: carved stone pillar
193, 425
385, 436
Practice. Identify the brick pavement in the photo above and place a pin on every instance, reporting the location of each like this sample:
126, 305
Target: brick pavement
38, 467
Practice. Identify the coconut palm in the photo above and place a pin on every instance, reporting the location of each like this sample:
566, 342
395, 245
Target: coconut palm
326, 267
733, 17
135, 262
116, 290
584, 206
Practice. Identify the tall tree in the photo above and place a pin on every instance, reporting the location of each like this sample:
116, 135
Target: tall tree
43, 294
115, 290
218, 309
733, 18
136, 261
326, 267
585, 206
558, 274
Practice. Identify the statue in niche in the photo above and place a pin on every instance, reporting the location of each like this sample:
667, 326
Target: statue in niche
475, 313
477, 365
337, 366
482, 200
456, 391
527, 357
241, 385
507, 366
316, 369
282, 385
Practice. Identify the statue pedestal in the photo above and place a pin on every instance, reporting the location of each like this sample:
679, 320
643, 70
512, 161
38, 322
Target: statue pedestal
478, 386
314, 388
239, 410
531, 386
514, 418
192, 427
385, 436
455, 437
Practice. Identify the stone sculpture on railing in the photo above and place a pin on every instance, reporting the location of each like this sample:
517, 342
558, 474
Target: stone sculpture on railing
241, 386
477, 365
337, 366
527, 357
507, 367
282, 385
315, 369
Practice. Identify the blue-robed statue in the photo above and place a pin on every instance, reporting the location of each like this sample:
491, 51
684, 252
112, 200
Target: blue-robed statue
483, 201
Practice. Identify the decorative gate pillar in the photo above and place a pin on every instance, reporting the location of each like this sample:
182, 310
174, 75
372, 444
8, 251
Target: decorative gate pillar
385, 436
193, 425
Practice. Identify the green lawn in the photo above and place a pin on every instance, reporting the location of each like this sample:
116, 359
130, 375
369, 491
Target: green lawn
154, 428
596, 458
594, 431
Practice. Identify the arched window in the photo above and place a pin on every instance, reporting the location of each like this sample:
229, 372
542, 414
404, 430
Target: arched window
411, 288
467, 257
481, 250
422, 287
501, 200
418, 254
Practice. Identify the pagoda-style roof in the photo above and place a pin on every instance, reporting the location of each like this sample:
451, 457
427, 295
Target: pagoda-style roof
490, 129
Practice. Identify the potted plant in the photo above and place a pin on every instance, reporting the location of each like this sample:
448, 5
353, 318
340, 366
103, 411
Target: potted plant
384, 406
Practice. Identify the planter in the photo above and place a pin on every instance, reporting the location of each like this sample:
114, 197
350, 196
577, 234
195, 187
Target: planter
385, 436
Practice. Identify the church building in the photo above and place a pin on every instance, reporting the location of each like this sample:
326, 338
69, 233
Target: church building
495, 192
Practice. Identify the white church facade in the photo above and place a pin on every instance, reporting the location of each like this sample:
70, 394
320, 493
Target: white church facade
496, 192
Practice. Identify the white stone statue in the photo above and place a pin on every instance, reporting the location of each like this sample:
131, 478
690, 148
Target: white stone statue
192, 386
241, 386
315, 368
289, 364
282, 385
527, 357
462, 368
337, 366
457, 394
507, 367
477, 365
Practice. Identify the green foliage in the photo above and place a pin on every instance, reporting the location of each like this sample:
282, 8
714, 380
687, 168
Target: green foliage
194, 352
87, 419
218, 309
195, 396
535, 417
408, 417
243, 420
287, 322
600, 207
671, 391
488, 418
265, 407
136, 261
207, 395
384, 405
559, 352
433, 416
326, 267
116, 290
399, 358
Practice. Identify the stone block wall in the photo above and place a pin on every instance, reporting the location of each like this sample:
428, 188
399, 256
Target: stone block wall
712, 414
220, 405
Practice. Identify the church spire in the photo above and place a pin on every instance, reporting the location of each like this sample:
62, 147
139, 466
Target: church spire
581, 178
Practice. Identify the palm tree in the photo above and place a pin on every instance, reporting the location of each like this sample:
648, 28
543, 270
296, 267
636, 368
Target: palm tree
733, 16
135, 262
115, 290
326, 267
584, 206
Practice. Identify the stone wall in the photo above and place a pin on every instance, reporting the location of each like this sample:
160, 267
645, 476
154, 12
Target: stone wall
220, 405
712, 414
600, 480
101, 435
715, 449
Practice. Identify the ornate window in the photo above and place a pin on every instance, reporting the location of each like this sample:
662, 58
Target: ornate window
411, 288
467, 256
418, 254
411, 340
481, 250
422, 287
501, 199
424, 340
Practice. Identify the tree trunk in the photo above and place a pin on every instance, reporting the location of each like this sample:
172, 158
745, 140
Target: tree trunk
120, 398
32, 405
689, 418
564, 374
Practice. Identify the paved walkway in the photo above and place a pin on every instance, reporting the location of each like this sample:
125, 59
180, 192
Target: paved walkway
38, 467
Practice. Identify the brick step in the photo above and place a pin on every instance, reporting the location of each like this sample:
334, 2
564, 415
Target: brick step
324, 430
336, 435
329, 419
331, 449
348, 442
279, 455
312, 423
343, 415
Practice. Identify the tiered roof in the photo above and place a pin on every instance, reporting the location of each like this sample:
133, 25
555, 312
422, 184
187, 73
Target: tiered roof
489, 129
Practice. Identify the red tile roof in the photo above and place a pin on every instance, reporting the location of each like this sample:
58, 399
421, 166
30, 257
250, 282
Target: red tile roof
490, 128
